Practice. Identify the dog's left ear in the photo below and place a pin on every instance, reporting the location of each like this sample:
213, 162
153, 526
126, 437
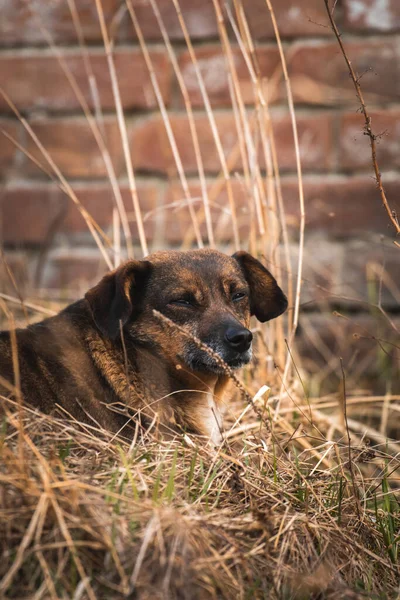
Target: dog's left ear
267, 301
115, 297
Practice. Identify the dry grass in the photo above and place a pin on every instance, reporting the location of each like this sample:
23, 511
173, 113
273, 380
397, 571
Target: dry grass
297, 502
270, 514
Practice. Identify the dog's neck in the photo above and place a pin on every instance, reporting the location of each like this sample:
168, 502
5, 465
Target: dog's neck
179, 397
196, 398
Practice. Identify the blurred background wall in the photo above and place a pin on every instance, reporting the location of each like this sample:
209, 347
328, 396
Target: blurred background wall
351, 262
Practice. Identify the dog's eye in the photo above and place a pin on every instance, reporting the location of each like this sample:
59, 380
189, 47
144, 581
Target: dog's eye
238, 296
182, 302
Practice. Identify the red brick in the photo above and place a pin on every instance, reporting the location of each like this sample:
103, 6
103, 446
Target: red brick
371, 15
21, 21
299, 19
212, 65
323, 338
151, 150
319, 74
29, 211
336, 206
35, 79
27, 215
179, 221
307, 18
74, 271
321, 271
355, 149
8, 151
366, 262
347, 272
315, 140
199, 16
99, 202
342, 206
73, 147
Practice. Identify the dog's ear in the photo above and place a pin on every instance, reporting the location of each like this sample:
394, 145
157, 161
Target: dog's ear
267, 300
112, 300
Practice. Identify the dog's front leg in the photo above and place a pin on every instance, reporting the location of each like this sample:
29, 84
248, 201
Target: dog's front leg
211, 418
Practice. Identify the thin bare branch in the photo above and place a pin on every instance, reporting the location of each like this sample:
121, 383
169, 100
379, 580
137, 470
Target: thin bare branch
393, 217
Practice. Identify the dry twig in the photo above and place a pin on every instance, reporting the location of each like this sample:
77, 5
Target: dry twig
367, 121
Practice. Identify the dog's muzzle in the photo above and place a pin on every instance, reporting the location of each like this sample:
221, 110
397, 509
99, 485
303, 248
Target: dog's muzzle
232, 342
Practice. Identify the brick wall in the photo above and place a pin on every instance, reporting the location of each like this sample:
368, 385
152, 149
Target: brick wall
348, 234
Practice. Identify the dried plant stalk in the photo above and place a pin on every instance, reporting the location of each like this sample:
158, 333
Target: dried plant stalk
122, 127
213, 125
94, 127
289, 94
367, 121
64, 182
192, 125
167, 123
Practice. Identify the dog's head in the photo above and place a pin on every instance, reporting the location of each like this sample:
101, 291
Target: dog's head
209, 294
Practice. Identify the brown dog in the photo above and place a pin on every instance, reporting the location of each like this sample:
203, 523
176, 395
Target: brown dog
109, 355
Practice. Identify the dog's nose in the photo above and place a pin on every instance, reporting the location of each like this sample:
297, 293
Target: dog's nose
239, 339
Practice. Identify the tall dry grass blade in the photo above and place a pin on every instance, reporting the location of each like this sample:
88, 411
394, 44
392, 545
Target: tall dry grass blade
252, 154
122, 127
32, 158
94, 91
56, 181
282, 220
26, 540
147, 536
241, 143
274, 214
61, 177
14, 284
167, 124
300, 191
17, 380
116, 238
246, 46
94, 127
214, 129
385, 414
62, 187
59, 184
48, 584
30, 305
68, 538
192, 125
267, 236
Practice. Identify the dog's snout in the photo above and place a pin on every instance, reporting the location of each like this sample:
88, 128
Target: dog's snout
238, 338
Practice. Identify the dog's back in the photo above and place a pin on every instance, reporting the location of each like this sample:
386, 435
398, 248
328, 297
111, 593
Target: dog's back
56, 370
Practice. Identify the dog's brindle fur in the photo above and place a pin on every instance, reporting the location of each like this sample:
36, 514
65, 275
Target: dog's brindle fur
80, 361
